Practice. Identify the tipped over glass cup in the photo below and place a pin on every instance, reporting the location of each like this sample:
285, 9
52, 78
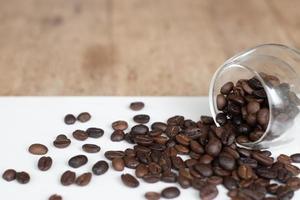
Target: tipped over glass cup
261, 96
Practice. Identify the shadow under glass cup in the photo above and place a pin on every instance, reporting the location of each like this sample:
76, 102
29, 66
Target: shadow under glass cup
277, 67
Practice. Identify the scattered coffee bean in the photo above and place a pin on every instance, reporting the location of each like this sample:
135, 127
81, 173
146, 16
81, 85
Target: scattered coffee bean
170, 192
70, 119
55, 197
130, 180
117, 135
38, 149
61, 141
120, 125
44, 163
80, 135
78, 161
91, 148
22, 177
208, 192
152, 195
226, 88
95, 132
136, 106
100, 167
9, 175
83, 179
84, 117
141, 118
118, 164
68, 178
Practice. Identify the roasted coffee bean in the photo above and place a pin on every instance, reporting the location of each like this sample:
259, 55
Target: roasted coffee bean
143, 140
247, 161
221, 119
130, 152
272, 188
207, 119
154, 168
159, 126
141, 170
213, 147
141, 118
226, 161
22, 177
182, 149
177, 162
221, 102
84, 179
254, 136
293, 183
118, 164
266, 173
140, 129
206, 159
226, 88
151, 178
131, 162
137, 105
70, 119
215, 180
244, 129
45, 163
176, 120
9, 175
196, 147
61, 142
91, 148
169, 177
284, 193
262, 159
204, 169
110, 155
80, 135
292, 168
55, 197
95, 132
130, 180
120, 125
245, 172
184, 182
229, 183
38, 149
84, 117
296, 158
183, 139
208, 192
282, 158
253, 107
170, 192
260, 93
117, 136
68, 178
255, 83
263, 116
78, 161
152, 195
100, 167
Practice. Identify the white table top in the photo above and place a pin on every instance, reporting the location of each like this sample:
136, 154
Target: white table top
27, 120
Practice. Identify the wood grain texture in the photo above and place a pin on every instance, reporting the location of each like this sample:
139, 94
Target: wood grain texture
132, 47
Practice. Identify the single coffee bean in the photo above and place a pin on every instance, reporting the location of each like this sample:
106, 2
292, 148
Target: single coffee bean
84, 179
253, 107
245, 172
22, 177
170, 192
282, 158
68, 178
117, 136
137, 105
152, 195
55, 197
38, 149
203, 169
80, 135
78, 161
141, 118
91, 148
151, 178
61, 141
213, 147
140, 129
255, 83
221, 102
296, 158
182, 149
44, 163
84, 117
110, 155
263, 116
100, 167
183, 139
226, 88
9, 175
208, 192
169, 177
260, 94
226, 161
215, 180
95, 132
254, 136
294, 183
130, 180
120, 125
246, 87
118, 164
221, 119
159, 126
131, 162
230, 183
141, 170
207, 119
70, 119
262, 159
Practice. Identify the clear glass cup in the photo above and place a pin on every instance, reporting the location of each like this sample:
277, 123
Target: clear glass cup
261, 61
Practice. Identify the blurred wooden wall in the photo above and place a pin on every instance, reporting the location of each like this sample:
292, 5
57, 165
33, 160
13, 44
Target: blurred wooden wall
132, 47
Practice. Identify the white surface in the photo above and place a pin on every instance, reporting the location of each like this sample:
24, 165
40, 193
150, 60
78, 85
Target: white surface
38, 120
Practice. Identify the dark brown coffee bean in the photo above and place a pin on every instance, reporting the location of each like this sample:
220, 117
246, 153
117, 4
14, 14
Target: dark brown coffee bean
284, 193
95, 132
80, 135
137, 105
207, 119
130, 180
143, 140
183, 139
169, 177
213, 147
61, 141
282, 158
141, 170
78, 161
272, 188
131, 162
100, 167
117, 136
110, 155
141, 118
227, 162
118, 164
262, 159
255, 83
266, 173
130, 152
263, 116
38, 149
239, 100
245, 172
296, 158
184, 182
196, 147
254, 136
260, 94
203, 169
152, 195
68, 178
246, 87
182, 149
44, 163
151, 178
170, 192
226, 88
215, 180
177, 162
253, 107
9, 175
91, 148
55, 197
70, 119
84, 117
208, 192
221, 102
248, 161
229, 183
159, 126
22, 177
140, 129
244, 129
292, 168
176, 120
83, 179
293, 183
119, 125
206, 159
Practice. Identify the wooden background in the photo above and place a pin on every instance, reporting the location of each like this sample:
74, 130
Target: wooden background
132, 47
